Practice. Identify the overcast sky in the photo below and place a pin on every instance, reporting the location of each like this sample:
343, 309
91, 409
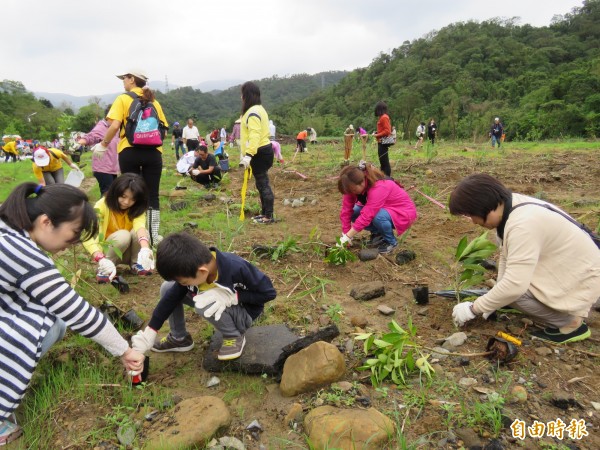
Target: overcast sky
77, 47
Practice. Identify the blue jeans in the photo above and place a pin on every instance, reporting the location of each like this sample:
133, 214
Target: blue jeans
494, 140
382, 224
178, 146
55, 334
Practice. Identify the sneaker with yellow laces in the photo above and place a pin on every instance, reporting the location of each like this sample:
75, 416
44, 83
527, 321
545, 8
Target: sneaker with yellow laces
171, 344
232, 348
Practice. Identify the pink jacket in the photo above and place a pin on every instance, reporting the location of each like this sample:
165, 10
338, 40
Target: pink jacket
110, 162
277, 150
383, 194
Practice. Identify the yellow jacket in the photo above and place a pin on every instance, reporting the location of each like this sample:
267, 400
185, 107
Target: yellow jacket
56, 159
11, 147
92, 245
254, 130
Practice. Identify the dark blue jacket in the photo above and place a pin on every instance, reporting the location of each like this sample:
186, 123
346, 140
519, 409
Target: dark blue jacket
253, 287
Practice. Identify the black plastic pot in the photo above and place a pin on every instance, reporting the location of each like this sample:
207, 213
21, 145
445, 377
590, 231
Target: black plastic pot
503, 351
421, 295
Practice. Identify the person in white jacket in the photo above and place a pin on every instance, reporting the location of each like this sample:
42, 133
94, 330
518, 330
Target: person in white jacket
549, 267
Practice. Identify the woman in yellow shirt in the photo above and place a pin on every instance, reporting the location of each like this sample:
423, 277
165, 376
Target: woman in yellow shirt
143, 160
122, 217
47, 165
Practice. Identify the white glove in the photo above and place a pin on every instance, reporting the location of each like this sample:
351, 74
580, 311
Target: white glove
143, 341
74, 166
245, 161
215, 301
107, 268
98, 150
195, 172
462, 313
146, 258
345, 240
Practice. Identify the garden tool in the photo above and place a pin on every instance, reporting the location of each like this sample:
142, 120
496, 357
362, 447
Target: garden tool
247, 176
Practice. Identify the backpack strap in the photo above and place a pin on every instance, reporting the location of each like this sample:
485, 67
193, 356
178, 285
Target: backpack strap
579, 225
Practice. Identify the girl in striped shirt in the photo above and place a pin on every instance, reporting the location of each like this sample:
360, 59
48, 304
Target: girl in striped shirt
36, 302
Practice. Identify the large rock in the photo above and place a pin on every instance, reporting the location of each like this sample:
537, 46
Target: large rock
352, 429
267, 348
320, 364
368, 291
192, 422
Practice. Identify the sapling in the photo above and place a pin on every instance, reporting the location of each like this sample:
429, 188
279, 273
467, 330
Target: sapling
467, 268
339, 255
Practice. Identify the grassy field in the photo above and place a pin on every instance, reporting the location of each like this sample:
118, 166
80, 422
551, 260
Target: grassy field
79, 397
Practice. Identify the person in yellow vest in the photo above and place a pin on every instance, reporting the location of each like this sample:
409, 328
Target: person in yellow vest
122, 219
47, 165
11, 151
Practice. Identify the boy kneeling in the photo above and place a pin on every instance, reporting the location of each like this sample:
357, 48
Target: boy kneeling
226, 289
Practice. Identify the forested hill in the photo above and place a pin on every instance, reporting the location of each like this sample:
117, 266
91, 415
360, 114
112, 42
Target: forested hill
542, 82
211, 108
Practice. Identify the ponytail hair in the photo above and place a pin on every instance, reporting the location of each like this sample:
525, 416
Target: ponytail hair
60, 202
147, 94
355, 175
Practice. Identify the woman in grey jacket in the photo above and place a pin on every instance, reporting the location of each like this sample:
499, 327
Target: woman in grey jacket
549, 268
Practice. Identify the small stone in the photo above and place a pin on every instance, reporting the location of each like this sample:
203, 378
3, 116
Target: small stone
308, 318
440, 353
297, 203
466, 382
302, 199
294, 414
349, 346
324, 320
209, 197
526, 321
126, 434
368, 291
286, 202
429, 172
359, 321
214, 381
423, 311
254, 426
319, 401
231, 443
405, 256
463, 362
363, 401
519, 394
343, 386
368, 254
596, 405
314, 202
521, 380
543, 351
386, 310
455, 340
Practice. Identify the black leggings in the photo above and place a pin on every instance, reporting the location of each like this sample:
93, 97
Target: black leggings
384, 158
146, 162
260, 164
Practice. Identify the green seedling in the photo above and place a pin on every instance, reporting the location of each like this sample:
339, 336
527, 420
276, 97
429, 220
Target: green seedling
467, 268
395, 355
339, 255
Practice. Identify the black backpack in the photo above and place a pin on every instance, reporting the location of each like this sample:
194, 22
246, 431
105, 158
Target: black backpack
143, 127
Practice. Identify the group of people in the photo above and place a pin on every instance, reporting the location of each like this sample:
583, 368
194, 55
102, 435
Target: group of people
228, 291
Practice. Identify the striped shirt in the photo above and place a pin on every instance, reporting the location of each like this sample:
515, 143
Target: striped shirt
33, 294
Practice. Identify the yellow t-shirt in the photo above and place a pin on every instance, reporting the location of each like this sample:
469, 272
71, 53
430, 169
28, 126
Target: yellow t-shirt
56, 156
120, 110
254, 131
118, 221
206, 286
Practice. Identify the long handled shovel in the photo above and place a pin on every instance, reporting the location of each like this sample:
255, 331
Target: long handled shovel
247, 176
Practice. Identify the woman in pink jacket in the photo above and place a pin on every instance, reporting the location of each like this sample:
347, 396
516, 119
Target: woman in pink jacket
374, 202
106, 168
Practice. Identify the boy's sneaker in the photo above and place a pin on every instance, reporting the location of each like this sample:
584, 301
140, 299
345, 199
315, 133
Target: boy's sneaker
138, 269
386, 248
554, 334
170, 344
9, 431
232, 348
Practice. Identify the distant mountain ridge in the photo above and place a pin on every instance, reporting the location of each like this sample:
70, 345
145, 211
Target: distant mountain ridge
75, 102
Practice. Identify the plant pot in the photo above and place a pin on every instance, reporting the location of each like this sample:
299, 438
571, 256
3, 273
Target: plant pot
502, 350
132, 321
421, 295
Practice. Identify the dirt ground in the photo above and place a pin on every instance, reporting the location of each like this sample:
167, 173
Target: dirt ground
567, 179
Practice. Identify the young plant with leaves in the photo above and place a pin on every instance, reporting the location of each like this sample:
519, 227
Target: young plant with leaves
395, 355
339, 255
467, 268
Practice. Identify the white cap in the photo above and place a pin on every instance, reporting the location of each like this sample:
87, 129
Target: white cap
136, 73
41, 157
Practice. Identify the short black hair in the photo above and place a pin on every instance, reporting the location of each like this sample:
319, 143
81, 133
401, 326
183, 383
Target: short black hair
180, 255
477, 195
138, 188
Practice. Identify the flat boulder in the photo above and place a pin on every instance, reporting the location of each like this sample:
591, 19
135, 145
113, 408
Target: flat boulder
318, 365
192, 422
348, 429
